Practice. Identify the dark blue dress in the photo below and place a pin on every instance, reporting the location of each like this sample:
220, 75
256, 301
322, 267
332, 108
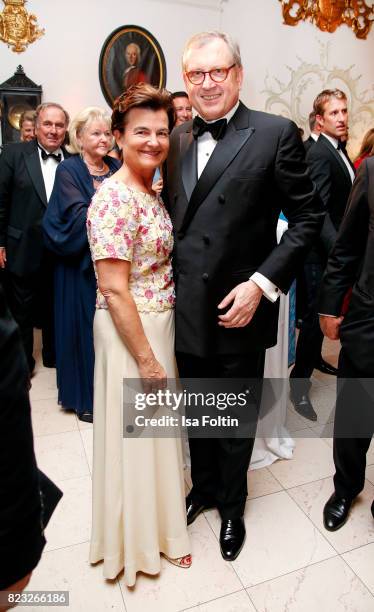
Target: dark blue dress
65, 234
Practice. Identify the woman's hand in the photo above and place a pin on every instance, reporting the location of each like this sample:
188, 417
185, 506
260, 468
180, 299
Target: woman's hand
152, 374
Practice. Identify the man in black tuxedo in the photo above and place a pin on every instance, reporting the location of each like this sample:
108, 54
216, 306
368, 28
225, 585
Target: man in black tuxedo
301, 292
228, 180
351, 265
27, 172
21, 534
333, 173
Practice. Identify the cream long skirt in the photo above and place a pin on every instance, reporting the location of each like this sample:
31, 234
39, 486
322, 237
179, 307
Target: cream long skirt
138, 488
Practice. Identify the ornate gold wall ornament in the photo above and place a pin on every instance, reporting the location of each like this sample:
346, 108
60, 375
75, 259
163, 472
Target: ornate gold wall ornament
327, 15
18, 28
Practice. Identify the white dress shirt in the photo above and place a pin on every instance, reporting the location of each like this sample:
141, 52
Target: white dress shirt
205, 147
335, 142
206, 143
48, 167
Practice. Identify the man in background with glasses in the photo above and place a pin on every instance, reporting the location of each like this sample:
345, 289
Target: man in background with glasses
230, 173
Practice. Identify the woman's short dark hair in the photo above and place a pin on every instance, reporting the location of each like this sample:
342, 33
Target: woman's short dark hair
141, 95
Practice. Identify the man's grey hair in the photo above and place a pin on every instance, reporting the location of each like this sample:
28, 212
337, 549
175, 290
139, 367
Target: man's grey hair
199, 40
45, 105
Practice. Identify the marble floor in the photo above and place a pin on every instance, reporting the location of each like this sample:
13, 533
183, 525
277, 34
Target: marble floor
289, 562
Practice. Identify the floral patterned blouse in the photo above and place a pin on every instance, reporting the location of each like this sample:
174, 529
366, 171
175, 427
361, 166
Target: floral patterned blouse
123, 223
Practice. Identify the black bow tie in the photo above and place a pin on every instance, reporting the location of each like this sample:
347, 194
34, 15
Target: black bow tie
217, 129
341, 146
55, 156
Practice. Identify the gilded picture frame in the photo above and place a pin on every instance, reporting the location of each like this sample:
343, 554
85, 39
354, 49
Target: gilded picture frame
129, 55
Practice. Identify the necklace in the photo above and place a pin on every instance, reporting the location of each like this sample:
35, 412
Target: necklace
93, 166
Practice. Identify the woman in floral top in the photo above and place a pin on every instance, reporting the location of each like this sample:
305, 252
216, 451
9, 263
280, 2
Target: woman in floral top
138, 491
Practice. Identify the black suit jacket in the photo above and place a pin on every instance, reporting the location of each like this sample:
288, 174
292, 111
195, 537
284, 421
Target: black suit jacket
27, 496
309, 142
225, 225
334, 184
21, 533
23, 202
351, 264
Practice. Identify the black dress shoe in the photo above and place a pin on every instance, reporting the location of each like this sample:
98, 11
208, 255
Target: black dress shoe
193, 509
372, 509
326, 368
335, 512
86, 417
303, 406
231, 538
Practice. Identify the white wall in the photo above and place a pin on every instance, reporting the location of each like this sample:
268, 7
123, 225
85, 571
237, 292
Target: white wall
65, 60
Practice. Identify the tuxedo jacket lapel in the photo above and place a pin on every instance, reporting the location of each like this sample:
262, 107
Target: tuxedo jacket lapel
337, 156
351, 164
237, 133
32, 161
188, 147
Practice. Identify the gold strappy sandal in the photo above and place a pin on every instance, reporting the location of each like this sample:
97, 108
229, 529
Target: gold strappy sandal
184, 562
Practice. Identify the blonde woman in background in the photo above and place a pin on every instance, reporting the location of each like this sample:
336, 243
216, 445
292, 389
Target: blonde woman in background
27, 125
65, 233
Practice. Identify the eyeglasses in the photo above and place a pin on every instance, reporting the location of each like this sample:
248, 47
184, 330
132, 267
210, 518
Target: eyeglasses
218, 75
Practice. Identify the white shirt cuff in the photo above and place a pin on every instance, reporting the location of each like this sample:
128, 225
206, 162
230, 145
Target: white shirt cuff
271, 291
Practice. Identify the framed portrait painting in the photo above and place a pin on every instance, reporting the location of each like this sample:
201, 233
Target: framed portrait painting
130, 55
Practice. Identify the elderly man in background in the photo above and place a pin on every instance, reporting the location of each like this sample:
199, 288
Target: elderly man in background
182, 107
27, 173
